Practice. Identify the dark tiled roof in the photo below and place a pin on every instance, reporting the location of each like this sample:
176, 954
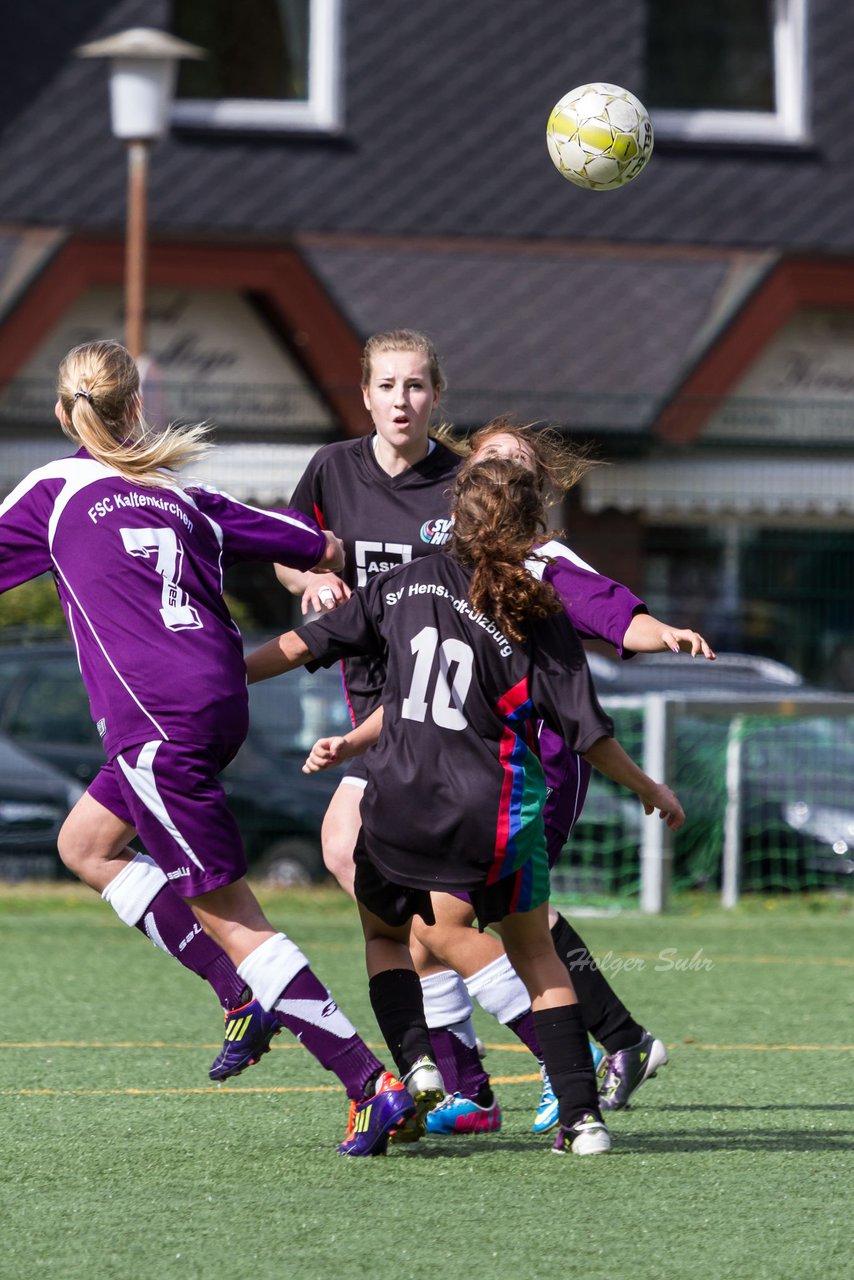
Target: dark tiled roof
594, 333
23, 253
445, 114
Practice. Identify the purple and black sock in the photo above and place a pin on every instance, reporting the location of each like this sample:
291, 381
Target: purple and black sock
605, 1016
525, 1028
170, 924
310, 1013
460, 1066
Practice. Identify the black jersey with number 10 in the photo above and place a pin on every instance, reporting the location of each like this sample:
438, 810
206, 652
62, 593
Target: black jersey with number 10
455, 787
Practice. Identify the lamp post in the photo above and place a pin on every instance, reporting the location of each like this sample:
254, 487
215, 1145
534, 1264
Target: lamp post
143, 71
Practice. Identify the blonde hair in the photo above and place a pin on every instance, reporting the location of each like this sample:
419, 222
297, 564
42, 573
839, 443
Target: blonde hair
98, 389
559, 465
411, 340
402, 340
499, 517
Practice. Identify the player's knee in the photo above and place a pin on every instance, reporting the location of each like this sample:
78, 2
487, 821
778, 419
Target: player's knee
339, 833
72, 850
337, 846
84, 846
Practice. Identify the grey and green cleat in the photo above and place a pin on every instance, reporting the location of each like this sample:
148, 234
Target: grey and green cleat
588, 1137
425, 1086
627, 1070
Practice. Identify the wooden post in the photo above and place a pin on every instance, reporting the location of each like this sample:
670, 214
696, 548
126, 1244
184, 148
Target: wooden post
135, 249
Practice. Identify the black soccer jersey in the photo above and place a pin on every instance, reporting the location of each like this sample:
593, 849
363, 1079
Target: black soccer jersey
455, 788
383, 520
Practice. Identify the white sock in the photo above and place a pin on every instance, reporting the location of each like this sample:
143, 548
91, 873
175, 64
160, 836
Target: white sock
272, 967
500, 991
448, 1006
446, 999
135, 888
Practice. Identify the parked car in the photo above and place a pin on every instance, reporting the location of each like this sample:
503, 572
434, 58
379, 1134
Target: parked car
730, 673
34, 801
44, 709
797, 814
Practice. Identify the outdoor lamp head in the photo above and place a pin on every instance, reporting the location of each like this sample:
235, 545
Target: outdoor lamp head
143, 72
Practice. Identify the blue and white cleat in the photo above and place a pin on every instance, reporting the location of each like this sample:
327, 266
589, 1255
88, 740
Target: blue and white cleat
456, 1114
546, 1117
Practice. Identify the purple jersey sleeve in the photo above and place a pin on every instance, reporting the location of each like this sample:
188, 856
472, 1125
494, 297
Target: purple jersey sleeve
599, 607
24, 551
247, 533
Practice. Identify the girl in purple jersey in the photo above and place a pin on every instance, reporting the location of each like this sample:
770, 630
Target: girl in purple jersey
474, 820
138, 563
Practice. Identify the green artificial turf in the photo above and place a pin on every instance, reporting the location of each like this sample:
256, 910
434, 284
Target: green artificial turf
121, 1160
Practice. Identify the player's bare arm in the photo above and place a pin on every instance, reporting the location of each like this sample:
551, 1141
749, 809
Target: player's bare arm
329, 752
646, 634
609, 758
284, 653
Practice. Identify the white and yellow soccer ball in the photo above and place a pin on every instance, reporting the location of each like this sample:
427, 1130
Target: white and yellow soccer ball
599, 136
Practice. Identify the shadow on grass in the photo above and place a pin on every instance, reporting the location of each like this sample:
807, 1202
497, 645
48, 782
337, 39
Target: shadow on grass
455, 1147
788, 1140
651, 1144
762, 1106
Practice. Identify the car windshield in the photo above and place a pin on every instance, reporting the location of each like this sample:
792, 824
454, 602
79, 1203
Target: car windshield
291, 712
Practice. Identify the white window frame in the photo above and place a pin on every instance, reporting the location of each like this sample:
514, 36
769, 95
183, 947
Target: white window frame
787, 125
321, 112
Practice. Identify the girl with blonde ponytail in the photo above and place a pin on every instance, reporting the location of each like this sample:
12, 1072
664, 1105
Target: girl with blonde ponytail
99, 406
138, 562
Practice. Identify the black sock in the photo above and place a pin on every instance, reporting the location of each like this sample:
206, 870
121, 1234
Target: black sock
603, 1012
568, 1061
399, 1009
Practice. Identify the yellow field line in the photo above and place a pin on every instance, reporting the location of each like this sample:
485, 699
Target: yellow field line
210, 1090
728, 1048
773, 1048
493, 1048
214, 1090
672, 962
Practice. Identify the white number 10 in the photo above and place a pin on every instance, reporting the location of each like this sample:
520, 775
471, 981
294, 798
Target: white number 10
448, 698
176, 611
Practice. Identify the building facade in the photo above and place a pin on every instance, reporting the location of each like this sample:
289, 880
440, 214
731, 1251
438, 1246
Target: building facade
335, 168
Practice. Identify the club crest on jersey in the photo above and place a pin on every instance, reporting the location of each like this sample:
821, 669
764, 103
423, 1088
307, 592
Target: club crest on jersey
436, 532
